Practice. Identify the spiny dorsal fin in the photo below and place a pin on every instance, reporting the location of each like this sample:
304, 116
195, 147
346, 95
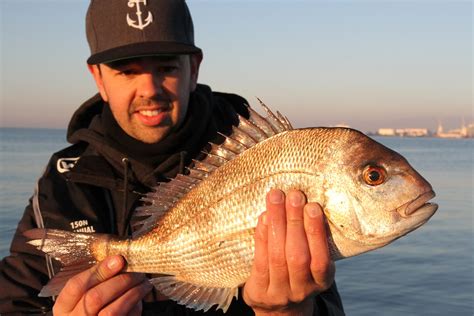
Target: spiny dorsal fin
247, 134
261, 122
222, 151
254, 131
194, 296
279, 123
232, 144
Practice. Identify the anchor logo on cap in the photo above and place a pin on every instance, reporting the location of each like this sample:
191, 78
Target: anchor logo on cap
139, 24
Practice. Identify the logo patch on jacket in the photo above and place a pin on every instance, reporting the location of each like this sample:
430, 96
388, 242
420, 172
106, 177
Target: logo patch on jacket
66, 164
82, 226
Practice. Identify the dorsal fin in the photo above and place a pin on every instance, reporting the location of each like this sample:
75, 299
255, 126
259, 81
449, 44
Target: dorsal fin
247, 134
261, 122
232, 144
254, 131
222, 151
279, 123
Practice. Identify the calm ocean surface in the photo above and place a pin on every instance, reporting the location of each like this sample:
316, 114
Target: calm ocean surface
428, 272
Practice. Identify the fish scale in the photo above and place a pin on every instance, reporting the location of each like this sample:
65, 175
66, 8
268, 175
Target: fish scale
198, 230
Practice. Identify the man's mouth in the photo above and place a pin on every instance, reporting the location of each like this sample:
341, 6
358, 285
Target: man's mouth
150, 113
152, 117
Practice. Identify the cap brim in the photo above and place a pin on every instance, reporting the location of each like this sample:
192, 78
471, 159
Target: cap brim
141, 50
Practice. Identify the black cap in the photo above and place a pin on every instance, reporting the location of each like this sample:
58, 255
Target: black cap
121, 29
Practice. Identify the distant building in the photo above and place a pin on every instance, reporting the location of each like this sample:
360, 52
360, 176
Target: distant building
464, 131
470, 130
386, 132
439, 130
410, 132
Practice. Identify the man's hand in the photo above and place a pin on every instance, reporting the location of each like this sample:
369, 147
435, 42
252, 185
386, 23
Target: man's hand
292, 260
103, 290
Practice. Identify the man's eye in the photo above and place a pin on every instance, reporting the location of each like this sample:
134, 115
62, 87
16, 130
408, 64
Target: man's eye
127, 72
168, 69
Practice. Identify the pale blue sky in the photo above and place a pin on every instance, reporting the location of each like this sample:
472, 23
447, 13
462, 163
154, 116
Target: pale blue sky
368, 64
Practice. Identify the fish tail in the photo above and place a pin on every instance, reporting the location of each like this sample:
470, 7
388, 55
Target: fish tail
76, 252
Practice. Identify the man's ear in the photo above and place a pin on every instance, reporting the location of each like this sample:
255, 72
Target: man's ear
195, 60
97, 75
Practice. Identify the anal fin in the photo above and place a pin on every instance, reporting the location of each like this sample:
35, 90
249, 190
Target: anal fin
195, 296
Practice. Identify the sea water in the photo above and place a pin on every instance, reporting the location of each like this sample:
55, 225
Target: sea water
428, 272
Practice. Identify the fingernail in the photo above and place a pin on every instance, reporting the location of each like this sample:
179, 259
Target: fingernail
264, 219
313, 210
276, 197
296, 199
113, 263
262, 226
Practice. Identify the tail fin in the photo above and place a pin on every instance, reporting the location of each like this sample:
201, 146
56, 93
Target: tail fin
73, 250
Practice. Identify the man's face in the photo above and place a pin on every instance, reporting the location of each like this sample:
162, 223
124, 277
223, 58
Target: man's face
148, 96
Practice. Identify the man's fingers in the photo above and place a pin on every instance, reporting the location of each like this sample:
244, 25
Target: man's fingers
109, 291
256, 286
137, 310
129, 303
77, 286
322, 266
260, 265
297, 251
276, 240
297, 262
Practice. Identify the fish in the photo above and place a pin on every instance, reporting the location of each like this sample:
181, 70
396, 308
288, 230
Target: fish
196, 232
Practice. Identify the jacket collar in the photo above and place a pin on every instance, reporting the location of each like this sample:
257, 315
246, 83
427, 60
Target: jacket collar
171, 155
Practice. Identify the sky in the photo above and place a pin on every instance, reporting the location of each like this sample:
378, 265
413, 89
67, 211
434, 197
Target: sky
367, 64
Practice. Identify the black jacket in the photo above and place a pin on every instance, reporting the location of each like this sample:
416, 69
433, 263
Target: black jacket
89, 187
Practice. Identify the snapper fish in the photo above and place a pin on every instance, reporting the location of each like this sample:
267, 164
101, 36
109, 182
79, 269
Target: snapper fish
197, 231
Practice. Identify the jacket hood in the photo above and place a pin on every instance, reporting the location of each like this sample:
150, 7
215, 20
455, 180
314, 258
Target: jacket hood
209, 113
84, 115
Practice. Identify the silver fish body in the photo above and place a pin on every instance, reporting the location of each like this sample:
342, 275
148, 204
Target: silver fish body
203, 242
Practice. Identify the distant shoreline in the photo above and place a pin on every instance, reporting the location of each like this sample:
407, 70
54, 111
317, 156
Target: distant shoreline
371, 134
409, 136
36, 128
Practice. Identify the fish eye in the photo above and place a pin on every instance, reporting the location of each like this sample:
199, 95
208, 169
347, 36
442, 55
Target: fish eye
374, 175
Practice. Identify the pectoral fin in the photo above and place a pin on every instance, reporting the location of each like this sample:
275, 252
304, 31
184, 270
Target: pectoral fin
194, 296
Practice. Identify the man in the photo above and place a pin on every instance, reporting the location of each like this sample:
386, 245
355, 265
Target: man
149, 120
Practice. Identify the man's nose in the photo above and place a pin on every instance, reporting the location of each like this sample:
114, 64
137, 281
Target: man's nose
150, 85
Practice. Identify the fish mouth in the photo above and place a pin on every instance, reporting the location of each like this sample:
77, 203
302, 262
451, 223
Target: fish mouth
421, 202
